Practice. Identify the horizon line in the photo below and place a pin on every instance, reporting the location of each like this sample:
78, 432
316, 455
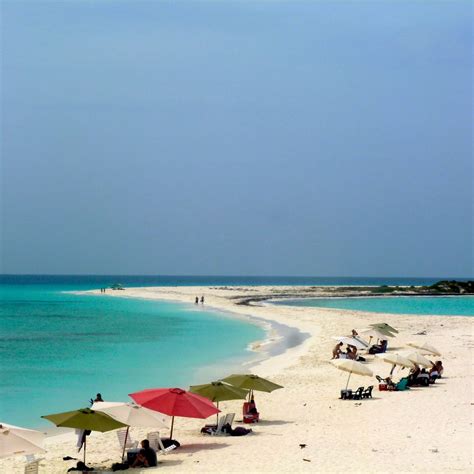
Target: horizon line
226, 275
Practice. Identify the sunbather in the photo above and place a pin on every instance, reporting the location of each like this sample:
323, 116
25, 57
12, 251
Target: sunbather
439, 367
379, 348
423, 377
413, 376
146, 457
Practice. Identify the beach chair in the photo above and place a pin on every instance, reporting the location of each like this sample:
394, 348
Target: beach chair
129, 444
367, 393
229, 419
357, 395
157, 444
214, 429
32, 467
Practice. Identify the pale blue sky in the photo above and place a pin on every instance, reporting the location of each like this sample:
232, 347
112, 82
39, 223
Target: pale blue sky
265, 138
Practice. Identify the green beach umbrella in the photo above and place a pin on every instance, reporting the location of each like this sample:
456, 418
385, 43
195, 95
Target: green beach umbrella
385, 328
85, 419
251, 382
219, 392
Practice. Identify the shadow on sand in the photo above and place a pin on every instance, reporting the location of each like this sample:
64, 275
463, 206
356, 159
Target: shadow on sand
272, 422
194, 447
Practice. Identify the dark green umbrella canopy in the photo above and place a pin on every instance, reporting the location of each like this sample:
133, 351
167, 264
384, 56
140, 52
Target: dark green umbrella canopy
385, 328
251, 382
85, 419
219, 391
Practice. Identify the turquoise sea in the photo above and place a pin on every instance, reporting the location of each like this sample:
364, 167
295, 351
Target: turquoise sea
438, 305
58, 348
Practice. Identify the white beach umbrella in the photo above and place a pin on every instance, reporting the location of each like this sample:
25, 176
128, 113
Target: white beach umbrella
425, 347
417, 358
132, 415
351, 341
15, 440
353, 367
396, 359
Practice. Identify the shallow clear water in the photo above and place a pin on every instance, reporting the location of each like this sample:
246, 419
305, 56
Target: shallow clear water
57, 349
439, 305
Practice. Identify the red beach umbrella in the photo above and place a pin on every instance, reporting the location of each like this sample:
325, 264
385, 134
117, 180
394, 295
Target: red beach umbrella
175, 402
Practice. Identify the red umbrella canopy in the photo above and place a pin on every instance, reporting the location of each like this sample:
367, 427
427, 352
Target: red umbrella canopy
175, 402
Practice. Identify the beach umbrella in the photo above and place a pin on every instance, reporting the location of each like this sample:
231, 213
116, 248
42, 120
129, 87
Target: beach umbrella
418, 359
351, 341
175, 402
15, 440
396, 359
384, 327
131, 415
425, 347
353, 367
219, 392
376, 333
251, 382
85, 419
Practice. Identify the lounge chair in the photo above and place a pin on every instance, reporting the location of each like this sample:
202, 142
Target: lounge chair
157, 444
357, 395
229, 419
32, 467
367, 393
32, 464
129, 444
217, 430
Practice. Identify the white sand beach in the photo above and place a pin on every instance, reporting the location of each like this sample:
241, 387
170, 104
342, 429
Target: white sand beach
419, 430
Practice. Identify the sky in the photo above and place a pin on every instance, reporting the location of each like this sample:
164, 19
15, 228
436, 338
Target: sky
237, 138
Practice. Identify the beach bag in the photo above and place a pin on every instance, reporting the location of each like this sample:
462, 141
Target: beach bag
240, 431
169, 442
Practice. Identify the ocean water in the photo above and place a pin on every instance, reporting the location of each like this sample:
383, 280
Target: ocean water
58, 349
438, 305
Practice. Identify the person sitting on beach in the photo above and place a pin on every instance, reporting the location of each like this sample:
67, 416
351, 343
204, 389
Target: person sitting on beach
439, 367
379, 348
435, 371
351, 352
354, 333
337, 351
146, 457
423, 377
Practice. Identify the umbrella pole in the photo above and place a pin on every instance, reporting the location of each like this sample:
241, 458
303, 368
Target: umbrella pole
125, 442
393, 368
217, 414
347, 384
85, 445
172, 423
